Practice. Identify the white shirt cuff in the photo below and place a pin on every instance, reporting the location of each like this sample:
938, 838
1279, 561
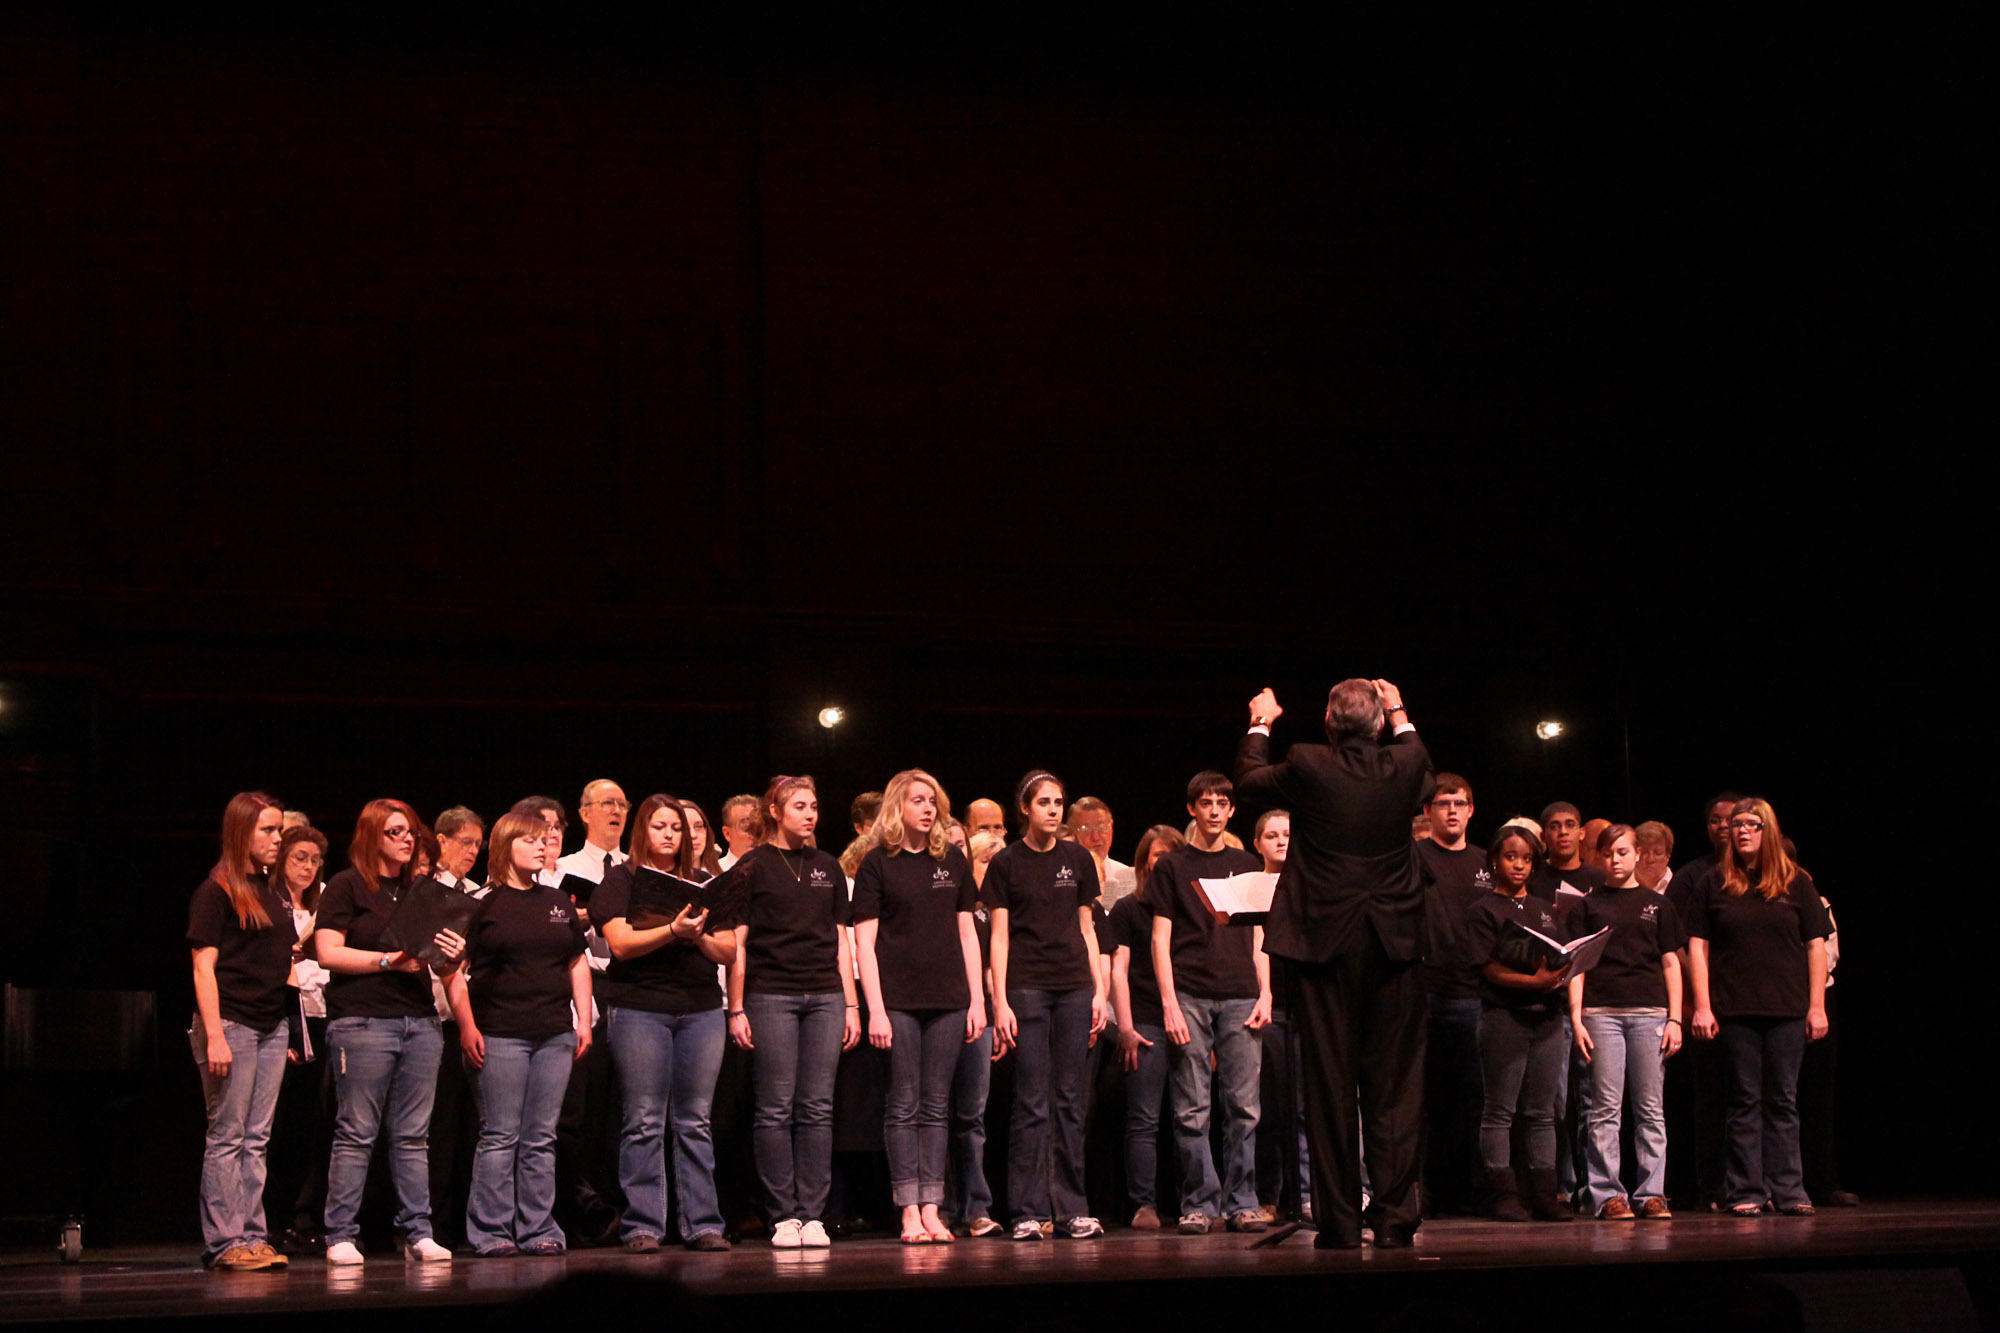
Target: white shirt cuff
1260, 730
1402, 727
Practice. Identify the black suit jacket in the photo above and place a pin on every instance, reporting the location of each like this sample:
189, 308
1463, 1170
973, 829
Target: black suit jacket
1352, 862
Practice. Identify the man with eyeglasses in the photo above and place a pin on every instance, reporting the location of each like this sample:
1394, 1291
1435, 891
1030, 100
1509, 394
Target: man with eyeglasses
1091, 818
1453, 1087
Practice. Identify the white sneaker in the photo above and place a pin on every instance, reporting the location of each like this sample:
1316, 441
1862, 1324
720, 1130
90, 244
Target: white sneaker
1028, 1229
343, 1254
813, 1236
785, 1235
426, 1251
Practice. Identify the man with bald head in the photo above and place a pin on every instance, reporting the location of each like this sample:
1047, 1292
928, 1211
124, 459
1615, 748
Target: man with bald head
984, 816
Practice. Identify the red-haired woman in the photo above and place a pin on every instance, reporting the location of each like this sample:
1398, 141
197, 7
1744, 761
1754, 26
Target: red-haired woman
1757, 948
1049, 998
667, 1032
920, 969
382, 1033
240, 930
791, 1005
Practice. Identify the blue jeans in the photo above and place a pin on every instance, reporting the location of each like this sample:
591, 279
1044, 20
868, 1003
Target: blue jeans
520, 1093
1145, 1091
240, 1108
1760, 1070
795, 1054
923, 1054
967, 1193
1216, 1026
667, 1067
1521, 1062
1625, 1062
381, 1064
1045, 1132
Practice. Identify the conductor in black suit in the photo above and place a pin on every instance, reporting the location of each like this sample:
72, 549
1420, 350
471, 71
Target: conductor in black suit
1349, 917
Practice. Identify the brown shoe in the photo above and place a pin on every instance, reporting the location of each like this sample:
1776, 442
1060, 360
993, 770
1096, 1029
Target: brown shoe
271, 1257
1146, 1219
1269, 1212
1247, 1220
1618, 1210
239, 1259
1655, 1209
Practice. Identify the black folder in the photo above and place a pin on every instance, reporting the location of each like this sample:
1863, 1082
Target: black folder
657, 898
425, 909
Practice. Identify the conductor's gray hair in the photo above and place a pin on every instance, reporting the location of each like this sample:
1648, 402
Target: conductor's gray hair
1353, 708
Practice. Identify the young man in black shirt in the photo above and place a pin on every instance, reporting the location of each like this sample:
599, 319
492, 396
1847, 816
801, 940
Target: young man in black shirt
1453, 1096
1694, 1083
1215, 992
1564, 880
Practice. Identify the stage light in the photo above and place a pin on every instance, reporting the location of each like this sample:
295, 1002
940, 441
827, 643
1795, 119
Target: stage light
1549, 730
831, 717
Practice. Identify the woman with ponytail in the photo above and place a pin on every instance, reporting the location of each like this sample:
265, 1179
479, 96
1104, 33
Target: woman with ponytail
240, 930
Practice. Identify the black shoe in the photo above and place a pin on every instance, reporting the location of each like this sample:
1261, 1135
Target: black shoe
1395, 1238
1836, 1198
1326, 1240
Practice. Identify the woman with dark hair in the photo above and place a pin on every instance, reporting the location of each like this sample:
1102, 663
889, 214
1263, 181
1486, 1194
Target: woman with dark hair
383, 1035
667, 1032
920, 970
1757, 948
1142, 1032
522, 1002
704, 862
1049, 1005
297, 1183
1521, 1044
240, 932
791, 1005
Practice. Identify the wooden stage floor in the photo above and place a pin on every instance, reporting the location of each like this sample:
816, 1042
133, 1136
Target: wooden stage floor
1925, 1264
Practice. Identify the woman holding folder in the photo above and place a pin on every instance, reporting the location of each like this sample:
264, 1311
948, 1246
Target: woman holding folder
382, 1033
666, 1024
1521, 1046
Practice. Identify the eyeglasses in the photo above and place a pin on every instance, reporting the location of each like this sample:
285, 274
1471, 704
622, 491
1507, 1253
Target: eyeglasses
1093, 828
610, 803
1748, 825
464, 840
1451, 803
398, 834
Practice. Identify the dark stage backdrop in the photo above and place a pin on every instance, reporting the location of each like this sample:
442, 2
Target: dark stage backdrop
457, 406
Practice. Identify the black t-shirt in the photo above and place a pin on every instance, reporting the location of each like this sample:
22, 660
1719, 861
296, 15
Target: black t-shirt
520, 946
1687, 884
1040, 892
1547, 884
1644, 927
1211, 961
917, 900
794, 903
1485, 926
361, 910
676, 978
251, 966
1131, 927
1757, 948
1462, 879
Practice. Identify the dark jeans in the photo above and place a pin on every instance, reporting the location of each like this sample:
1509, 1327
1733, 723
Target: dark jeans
795, 1056
1816, 1106
1522, 1060
1760, 1059
1145, 1096
1454, 1098
1045, 1132
967, 1194
1360, 1017
917, 1124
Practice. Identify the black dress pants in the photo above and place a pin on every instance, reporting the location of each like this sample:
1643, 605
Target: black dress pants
1361, 1030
